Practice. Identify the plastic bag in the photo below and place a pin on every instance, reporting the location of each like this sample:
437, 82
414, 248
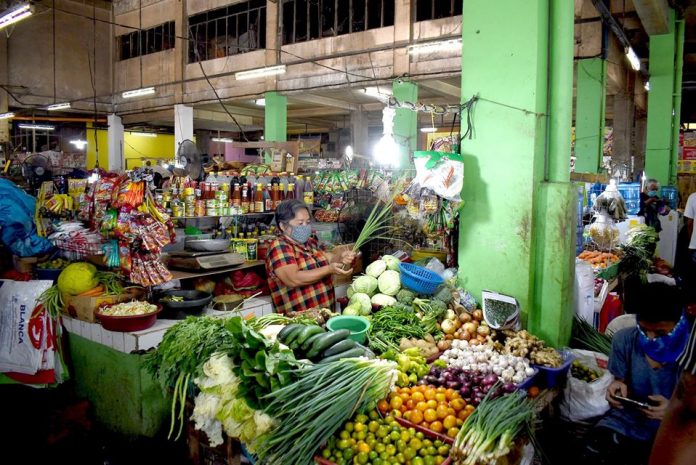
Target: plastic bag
584, 291
583, 400
604, 232
440, 172
611, 202
17, 228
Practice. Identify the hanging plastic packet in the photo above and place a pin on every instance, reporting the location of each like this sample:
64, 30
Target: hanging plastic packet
604, 232
441, 172
611, 202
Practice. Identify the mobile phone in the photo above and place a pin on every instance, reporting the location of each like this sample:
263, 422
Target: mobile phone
631, 402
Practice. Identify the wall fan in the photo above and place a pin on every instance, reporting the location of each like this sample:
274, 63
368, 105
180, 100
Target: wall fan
189, 161
37, 169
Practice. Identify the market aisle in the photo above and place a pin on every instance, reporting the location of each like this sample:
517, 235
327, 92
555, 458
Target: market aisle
53, 426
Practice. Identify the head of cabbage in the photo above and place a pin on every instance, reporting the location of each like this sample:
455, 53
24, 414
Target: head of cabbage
77, 278
365, 285
376, 268
363, 301
392, 262
389, 282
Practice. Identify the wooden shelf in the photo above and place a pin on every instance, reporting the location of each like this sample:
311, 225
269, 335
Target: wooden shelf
219, 216
181, 274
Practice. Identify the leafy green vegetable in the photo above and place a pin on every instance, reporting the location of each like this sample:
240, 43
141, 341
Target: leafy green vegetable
391, 324
585, 336
405, 296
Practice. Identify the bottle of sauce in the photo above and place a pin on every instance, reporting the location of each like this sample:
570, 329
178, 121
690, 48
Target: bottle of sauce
281, 192
291, 191
259, 203
299, 185
275, 196
245, 199
267, 201
236, 196
308, 192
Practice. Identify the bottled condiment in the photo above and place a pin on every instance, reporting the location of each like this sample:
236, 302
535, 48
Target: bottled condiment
267, 201
236, 196
259, 204
245, 199
291, 191
308, 192
275, 195
281, 192
299, 185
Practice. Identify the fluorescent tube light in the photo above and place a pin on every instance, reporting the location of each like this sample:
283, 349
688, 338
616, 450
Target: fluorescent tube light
143, 134
647, 86
79, 143
260, 102
16, 14
138, 92
633, 59
430, 47
58, 106
429, 130
7, 115
381, 93
349, 151
40, 127
260, 72
222, 139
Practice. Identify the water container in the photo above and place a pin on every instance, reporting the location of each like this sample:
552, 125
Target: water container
630, 191
671, 196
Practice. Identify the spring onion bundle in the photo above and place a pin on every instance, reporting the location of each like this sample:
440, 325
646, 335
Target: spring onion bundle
585, 336
376, 226
490, 431
311, 409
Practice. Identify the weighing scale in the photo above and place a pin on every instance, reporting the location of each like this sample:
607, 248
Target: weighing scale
188, 260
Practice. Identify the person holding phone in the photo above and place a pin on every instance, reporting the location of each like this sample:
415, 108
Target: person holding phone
643, 361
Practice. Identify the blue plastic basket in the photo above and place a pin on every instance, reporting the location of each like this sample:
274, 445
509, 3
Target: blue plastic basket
552, 377
420, 280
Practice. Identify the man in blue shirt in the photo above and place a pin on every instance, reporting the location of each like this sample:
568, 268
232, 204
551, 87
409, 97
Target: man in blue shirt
643, 362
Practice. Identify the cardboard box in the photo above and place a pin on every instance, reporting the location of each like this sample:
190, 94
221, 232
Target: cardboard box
277, 160
83, 308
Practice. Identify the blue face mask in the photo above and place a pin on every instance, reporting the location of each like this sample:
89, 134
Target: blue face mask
667, 348
653, 194
301, 233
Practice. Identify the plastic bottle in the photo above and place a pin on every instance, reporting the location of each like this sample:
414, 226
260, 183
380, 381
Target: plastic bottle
308, 192
267, 201
291, 191
236, 196
259, 204
245, 199
299, 185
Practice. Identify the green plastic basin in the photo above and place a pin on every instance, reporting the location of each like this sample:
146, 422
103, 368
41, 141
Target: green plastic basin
357, 325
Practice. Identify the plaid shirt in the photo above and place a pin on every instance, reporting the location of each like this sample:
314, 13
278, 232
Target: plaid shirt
309, 256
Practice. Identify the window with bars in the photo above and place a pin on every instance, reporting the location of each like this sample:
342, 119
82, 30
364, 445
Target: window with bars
436, 9
304, 20
146, 41
229, 30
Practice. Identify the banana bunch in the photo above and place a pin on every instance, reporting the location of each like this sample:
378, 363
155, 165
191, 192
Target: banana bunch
59, 203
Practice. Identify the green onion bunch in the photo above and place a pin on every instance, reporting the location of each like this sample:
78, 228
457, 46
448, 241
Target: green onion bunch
586, 337
315, 406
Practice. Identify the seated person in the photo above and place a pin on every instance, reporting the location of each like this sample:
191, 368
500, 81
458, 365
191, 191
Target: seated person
643, 361
651, 205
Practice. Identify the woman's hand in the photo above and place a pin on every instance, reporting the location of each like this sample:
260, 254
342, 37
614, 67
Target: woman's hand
616, 388
347, 257
657, 412
337, 268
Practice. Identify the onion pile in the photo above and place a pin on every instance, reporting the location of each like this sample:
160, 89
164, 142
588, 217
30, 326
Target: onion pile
472, 386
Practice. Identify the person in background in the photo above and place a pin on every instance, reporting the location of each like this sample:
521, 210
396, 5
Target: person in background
651, 205
643, 361
675, 443
300, 273
159, 173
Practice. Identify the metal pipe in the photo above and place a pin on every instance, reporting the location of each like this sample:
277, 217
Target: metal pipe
677, 99
59, 119
560, 103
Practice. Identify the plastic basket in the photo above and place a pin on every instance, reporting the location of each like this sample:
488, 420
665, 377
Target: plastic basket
420, 280
552, 377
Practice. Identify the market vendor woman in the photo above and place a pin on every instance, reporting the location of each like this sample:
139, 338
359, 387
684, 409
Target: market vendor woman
299, 271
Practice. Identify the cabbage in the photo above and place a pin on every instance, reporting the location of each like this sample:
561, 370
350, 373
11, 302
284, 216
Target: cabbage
376, 268
352, 310
365, 284
383, 300
392, 262
350, 291
389, 282
363, 301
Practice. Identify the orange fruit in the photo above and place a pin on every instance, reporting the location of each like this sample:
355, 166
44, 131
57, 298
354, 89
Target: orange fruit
415, 417
436, 426
450, 421
396, 402
430, 415
533, 391
452, 432
429, 394
418, 396
422, 406
407, 414
383, 406
457, 404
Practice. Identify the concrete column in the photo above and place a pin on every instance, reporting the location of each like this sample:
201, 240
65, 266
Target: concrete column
624, 109
276, 117
359, 132
273, 41
183, 125
677, 98
405, 122
518, 216
403, 33
180, 49
658, 150
639, 133
589, 114
4, 123
115, 144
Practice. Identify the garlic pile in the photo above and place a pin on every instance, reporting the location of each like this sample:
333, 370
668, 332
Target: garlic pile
485, 359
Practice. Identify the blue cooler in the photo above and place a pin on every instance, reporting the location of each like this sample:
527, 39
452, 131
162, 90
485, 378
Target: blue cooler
671, 196
630, 191
596, 190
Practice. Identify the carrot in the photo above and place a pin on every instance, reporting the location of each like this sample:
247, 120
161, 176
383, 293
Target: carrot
95, 291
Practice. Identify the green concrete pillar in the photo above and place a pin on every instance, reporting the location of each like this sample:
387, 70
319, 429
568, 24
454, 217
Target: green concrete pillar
405, 122
276, 117
677, 100
659, 139
590, 114
517, 221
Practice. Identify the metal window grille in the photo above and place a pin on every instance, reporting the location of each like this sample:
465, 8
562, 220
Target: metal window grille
146, 41
436, 9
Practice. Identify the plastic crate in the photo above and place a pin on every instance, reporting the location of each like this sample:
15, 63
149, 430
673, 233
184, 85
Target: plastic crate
419, 279
552, 377
530, 381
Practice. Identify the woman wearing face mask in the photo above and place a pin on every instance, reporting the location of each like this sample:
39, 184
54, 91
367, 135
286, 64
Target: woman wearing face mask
643, 361
299, 271
651, 205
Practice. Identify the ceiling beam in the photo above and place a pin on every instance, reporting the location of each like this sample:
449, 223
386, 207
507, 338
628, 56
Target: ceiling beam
441, 88
654, 14
324, 101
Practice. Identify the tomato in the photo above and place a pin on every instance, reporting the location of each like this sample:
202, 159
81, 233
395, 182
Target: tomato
436, 426
457, 404
418, 396
383, 406
430, 415
429, 394
450, 421
422, 406
463, 414
452, 432
396, 402
442, 412
411, 404
441, 397
416, 417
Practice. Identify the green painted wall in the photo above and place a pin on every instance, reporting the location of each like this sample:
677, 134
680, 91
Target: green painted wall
125, 397
516, 228
276, 117
658, 146
590, 114
405, 121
